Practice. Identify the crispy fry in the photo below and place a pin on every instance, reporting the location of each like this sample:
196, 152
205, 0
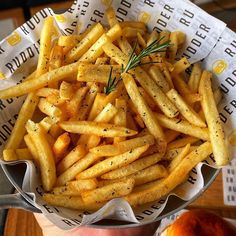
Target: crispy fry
182, 142
195, 77
108, 192
133, 167
9, 155
83, 184
23, 154
220, 149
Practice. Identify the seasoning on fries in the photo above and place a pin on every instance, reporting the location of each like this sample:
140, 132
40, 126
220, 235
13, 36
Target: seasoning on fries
117, 117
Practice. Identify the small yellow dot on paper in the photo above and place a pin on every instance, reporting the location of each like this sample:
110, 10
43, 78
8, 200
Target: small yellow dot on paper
60, 18
14, 38
2, 76
219, 67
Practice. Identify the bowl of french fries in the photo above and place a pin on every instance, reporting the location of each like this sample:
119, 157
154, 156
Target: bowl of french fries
110, 113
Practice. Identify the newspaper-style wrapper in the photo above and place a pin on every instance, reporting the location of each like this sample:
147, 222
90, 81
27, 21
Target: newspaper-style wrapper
207, 38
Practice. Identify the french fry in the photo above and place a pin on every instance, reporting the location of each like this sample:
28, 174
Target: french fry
45, 92
130, 32
112, 163
141, 40
99, 129
183, 126
173, 49
43, 80
26, 113
124, 46
96, 49
49, 109
144, 111
185, 110
124, 146
152, 37
73, 105
70, 202
157, 76
45, 155
111, 16
175, 162
65, 191
216, 133
97, 106
174, 178
96, 73
180, 66
60, 146
85, 43
76, 168
32, 148
108, 192
171, 135
101, 61
147, 98
182, 142
71, 158
83, 184
120, 117
66, 90
149, 174
56, 57
9, 155
195, 77
165, 36
133, 167
133, 24
23, 154
172, 153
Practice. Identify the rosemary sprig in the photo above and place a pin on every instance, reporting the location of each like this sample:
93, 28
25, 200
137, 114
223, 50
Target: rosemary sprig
135, 60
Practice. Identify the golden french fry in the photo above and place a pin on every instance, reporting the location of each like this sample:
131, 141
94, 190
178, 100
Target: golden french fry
133, 167
81, 185
111, 16
76, 168
108, 192
32, 148
185, 110
43, 80
71, 158
70, 202
216, 133
195, 77
130, 32
180, 66
9, 155
96, 73
176, 177
60, 146
141, 40
23, 154
45, 155
97, 106
124, 146
171, 135
144, 111
183, 126
165, 36
112, 163
152, 37
182, 142
96, 128
175, 162
124, 46
65, 191
174, 46
147, 98
56, 57
26, 113
159, 78
134, 24
45, 92
85, 43
66, 90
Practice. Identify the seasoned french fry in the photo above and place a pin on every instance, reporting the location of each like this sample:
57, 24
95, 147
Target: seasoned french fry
71, 202
99, 129
112, 163
173, 49
157, 76
60, 146
133, 24
133, 167
45, 155
108, 192
172, 153
66, 90
32, 148
96, 73
130, 32
144, 111
147, 98
149, 174
65, 191
26, 113
183, 126
121, 147
195, 77
97, 106
111, 16
56, 57
45, 92
185, 110
152, 37
124, 46
174, 178
182, 142
83, 184
23, 154
180, 66
165, 36
9, 155
71, 158
220, 149
175, 162
85, 43
171, 135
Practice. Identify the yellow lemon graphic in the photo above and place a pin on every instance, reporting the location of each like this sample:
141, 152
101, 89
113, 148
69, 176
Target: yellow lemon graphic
60, 18
219, 67
144, 17
14, 39
2, 76
232, 138
106, 2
